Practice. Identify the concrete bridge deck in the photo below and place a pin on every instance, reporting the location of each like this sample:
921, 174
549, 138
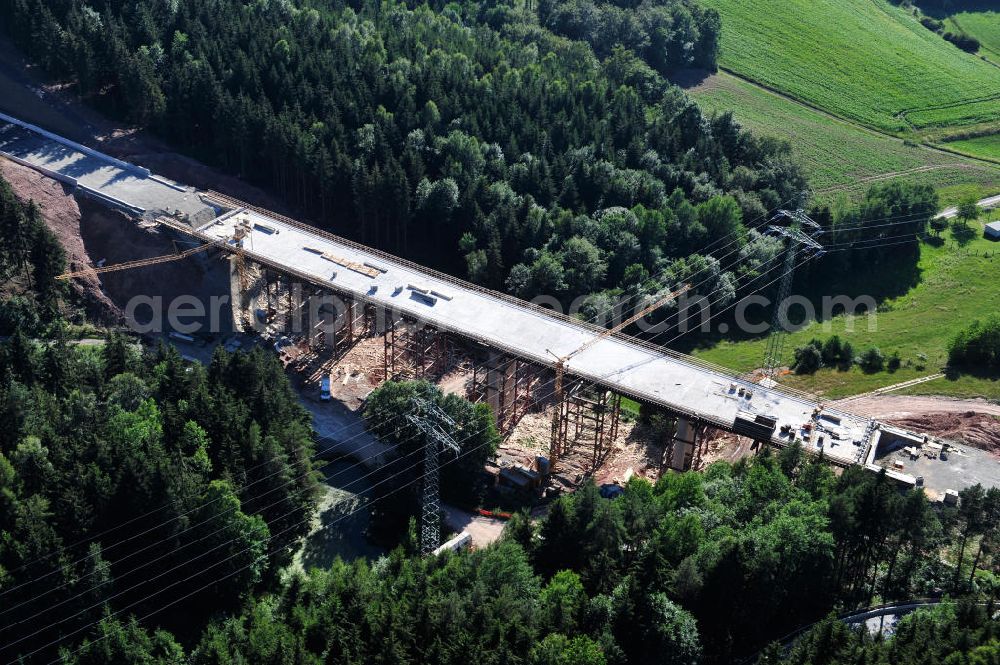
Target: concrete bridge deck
681, 384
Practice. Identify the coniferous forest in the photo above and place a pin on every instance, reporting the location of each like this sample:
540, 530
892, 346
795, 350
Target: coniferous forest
149, 508
534, 149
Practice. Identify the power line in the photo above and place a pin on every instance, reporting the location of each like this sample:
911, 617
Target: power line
161, 524
92, 538
173, 536
288, 528
119, 526
274, 536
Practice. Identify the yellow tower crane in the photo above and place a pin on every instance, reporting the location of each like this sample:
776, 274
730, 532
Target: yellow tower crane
138, 263
241, 231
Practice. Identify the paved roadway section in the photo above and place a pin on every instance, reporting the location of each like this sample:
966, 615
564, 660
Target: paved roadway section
98, 173
987, 203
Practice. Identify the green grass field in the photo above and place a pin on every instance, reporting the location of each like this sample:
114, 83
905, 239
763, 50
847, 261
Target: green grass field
839, 156
955, 287
984, 26
986, 147
864, 60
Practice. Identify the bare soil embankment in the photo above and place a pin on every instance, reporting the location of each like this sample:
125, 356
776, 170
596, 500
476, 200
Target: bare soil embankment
62, 215
974, 422
90, 232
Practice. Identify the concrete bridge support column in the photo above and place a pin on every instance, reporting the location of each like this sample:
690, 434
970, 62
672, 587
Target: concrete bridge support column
326, 323
356, 320
682, 445
312, 322
238, 293
350, 324
385, 319
296, 314
500, 382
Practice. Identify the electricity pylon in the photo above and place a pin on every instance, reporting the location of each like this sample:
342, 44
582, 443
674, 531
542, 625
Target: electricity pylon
801, 233
435, 424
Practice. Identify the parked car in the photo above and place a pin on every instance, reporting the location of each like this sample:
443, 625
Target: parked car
324, 389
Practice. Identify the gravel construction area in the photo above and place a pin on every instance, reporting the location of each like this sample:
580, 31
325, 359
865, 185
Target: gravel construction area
956, 469
905, 406
484, 530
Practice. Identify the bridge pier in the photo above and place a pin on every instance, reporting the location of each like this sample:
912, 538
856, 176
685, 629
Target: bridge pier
682, 446
415, 351
294, 303
587, 413
356, 323
507, 385
245, 286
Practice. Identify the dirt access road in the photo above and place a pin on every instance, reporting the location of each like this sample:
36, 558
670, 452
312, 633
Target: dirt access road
975, 422
907, 406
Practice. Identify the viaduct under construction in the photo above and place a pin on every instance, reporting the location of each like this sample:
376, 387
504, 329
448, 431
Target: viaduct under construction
521, 350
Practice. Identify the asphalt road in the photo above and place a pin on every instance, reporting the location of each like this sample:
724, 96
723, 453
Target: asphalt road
988, 202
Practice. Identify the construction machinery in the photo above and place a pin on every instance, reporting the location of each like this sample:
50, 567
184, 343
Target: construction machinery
242, 230
560, 365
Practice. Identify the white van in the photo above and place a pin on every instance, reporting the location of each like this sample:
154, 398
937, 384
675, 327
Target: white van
324, 389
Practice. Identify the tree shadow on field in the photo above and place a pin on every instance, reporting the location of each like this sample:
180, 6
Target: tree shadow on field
941, 9
952, 373
963, 233
866, 278
690, 77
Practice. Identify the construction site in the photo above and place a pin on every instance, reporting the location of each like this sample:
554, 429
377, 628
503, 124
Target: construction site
344, 318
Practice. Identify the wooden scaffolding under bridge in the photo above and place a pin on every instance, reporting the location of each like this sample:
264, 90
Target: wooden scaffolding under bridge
332, 320
353, 322
587, 414
507, 385
416, 351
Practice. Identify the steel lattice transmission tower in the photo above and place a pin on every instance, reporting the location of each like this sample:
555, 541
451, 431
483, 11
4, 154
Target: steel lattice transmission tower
801, 232
435, 424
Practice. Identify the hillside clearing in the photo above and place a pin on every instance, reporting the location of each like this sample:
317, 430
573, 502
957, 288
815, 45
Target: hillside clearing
838, 156
957, 285
879, 66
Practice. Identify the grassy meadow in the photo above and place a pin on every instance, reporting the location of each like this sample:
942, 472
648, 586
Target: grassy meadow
865, 60
984, 26
955, 284
984, 147
839, 156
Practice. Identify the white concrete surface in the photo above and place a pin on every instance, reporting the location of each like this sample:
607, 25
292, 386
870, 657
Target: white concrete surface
100, 173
